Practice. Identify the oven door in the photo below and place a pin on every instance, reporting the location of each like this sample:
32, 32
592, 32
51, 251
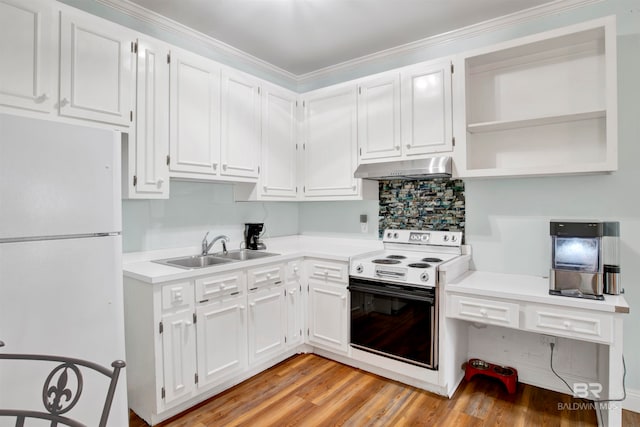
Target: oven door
396, 321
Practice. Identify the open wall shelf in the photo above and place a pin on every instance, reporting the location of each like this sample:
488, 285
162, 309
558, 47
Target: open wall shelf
541, 105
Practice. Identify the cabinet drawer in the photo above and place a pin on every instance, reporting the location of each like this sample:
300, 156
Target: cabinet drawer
294, 270
220, 285
270, 275
484, 311
177, 296
328, 270
569, 323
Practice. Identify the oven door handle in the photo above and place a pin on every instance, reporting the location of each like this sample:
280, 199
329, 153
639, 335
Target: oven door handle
390, 291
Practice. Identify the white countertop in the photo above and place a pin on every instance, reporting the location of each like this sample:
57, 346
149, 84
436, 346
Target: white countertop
138, 265
523, 288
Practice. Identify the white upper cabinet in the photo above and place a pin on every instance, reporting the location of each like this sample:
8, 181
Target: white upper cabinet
194, 139
379, 117
426, 109
330, 144
29, 45
405, 114
240, 126
278, 178
96, 69
148, 143
543, 104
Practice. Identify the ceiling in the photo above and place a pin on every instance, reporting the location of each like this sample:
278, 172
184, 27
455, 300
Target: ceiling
302, 36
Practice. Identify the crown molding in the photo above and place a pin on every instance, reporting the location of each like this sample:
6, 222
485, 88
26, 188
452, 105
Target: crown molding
162, 22
145, 15
552, 8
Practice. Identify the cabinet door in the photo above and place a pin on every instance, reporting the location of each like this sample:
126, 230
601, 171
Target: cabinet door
150, 140
278, 177
222, 340
266, 324
295, 313
194, 138
240, 145
179, 355
328, 315
330, 144
28, 46
426, 108
96, 71
379, 117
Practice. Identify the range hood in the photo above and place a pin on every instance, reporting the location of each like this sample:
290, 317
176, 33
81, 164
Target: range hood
432, 167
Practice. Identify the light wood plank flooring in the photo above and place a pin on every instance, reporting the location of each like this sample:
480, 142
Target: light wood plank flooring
308, 390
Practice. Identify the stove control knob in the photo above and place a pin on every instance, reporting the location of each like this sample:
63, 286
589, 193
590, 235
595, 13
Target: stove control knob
395, 235
424, 237
446, 238
424, 277
453, 238
389, 235
359, 268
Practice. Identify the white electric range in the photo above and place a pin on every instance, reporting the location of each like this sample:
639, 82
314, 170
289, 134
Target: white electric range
394, 301
409, 257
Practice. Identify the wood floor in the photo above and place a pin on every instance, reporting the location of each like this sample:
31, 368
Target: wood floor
308, 390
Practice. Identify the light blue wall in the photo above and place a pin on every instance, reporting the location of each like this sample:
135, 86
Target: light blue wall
195, 208
338, 218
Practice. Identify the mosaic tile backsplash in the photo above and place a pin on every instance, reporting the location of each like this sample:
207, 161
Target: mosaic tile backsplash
435, 204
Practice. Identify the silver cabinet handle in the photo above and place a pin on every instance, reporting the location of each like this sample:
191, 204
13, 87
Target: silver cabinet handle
159, 182
224, 166
64, 102
408, 145
215, 166
397, 147
41, 98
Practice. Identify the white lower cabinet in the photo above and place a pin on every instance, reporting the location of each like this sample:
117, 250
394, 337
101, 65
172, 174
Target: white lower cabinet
222, 340
267, 326
179, 355
328, 311
295, 303
186, 338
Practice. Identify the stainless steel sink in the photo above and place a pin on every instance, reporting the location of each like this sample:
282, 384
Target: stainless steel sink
244, 254
194, 261
202, 261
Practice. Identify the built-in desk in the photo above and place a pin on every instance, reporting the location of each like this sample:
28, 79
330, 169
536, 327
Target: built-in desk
523, 303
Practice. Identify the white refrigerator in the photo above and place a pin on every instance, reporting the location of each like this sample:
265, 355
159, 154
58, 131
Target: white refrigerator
60, 259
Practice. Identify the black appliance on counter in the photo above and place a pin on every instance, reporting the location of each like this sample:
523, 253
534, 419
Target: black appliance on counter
252, 233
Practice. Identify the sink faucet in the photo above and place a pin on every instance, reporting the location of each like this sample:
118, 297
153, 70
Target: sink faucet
206, 247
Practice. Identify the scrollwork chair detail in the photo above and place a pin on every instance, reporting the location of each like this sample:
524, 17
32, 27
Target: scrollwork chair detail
62, 389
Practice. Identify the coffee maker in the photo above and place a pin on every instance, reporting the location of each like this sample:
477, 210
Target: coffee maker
252, 231
584, 257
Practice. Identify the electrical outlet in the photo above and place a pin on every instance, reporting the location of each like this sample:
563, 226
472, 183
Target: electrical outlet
548, 339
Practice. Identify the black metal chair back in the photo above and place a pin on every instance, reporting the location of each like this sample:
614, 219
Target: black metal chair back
57, 396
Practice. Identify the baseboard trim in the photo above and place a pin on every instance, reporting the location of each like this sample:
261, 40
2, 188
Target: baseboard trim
632, 402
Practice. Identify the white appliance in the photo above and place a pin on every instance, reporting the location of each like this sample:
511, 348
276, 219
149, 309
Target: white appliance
394, 302
410, 257
60, 258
